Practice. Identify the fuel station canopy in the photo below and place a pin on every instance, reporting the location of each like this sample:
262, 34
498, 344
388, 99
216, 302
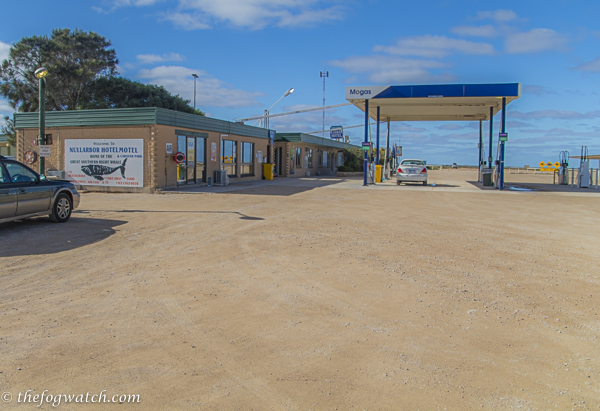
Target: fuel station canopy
438, 102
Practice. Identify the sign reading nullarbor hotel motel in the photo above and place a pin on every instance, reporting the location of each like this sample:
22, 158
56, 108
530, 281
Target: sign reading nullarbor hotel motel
113, 163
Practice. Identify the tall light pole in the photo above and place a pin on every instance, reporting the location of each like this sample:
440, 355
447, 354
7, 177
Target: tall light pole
41, 74
287, 93
324, 75
195, 77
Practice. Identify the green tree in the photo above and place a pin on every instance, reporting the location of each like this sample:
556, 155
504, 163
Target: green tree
74, 59
119, 92
9, 130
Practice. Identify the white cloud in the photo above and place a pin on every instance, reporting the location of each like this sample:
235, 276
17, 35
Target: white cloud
186, 21
4, 49
537, 90
251, 14
435, 47
498, 15
210, 92
476, 31
555, 114
153, 58
593, 66
451, 126
535, 40
5, 107
256, 14
389, 69
115, 4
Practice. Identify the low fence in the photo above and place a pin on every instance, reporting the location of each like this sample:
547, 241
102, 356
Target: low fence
572, 176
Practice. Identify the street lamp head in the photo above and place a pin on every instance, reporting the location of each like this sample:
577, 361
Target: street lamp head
287, 93
41, 73
195, 75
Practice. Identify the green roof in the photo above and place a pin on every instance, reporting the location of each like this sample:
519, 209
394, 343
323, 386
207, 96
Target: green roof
310, 139
136, 117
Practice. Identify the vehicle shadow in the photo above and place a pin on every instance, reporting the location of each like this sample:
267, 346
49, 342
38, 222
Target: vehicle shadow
41, 236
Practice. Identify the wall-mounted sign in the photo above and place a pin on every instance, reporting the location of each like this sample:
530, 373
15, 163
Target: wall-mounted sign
213, 151
259, 156
44, 151
169, 148
113, 163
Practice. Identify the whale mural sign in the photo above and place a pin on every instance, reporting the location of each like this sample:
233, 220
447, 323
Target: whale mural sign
113, 163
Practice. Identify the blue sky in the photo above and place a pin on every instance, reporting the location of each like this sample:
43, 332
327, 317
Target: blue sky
249, 52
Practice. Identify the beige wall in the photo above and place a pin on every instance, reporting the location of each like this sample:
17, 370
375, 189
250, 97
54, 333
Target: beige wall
160, 171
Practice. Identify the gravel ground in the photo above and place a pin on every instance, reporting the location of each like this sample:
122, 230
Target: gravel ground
310, 295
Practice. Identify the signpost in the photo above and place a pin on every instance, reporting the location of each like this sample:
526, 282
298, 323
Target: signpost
336, 132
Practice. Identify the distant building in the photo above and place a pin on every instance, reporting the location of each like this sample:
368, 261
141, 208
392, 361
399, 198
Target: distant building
5, 148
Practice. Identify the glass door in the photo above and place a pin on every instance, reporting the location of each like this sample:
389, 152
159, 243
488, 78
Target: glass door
181, 168
200, 160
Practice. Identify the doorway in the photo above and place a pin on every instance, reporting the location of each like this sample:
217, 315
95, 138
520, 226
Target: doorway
194, 169
279, 161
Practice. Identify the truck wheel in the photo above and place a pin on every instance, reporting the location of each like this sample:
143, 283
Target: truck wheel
61, 211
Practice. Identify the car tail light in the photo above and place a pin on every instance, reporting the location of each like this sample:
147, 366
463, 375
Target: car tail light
424, 171
399, 170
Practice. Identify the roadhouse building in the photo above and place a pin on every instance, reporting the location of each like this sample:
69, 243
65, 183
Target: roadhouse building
143, 149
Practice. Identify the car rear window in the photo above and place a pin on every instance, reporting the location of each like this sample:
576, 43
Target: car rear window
412, 162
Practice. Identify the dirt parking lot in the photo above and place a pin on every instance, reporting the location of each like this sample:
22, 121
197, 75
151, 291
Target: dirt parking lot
314, 294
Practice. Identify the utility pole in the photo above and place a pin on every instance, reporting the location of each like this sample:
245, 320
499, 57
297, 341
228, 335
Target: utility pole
324, 75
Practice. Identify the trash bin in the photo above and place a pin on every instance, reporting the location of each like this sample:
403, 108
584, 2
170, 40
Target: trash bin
268, 171
486, 173
378, 173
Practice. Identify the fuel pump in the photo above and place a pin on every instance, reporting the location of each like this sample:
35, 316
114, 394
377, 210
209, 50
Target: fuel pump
563, 171
584, 169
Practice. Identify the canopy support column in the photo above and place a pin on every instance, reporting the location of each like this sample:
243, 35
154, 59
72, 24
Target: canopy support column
378, 119
480, 149
365, 171
387, 152
501, 165
490, 158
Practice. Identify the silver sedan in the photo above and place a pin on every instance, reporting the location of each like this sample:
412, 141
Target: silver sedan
411, 171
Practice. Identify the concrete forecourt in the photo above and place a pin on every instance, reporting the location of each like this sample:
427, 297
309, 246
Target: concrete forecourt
310, 293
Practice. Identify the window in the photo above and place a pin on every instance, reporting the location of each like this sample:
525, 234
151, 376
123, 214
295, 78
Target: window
324, 158
229, 157
4, 178
247, 159
20, 174
319, 158
309, 155
298, 158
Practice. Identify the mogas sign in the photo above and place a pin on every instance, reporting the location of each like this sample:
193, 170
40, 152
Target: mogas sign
363, 93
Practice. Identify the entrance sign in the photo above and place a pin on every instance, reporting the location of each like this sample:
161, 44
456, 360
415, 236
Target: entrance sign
113, 163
